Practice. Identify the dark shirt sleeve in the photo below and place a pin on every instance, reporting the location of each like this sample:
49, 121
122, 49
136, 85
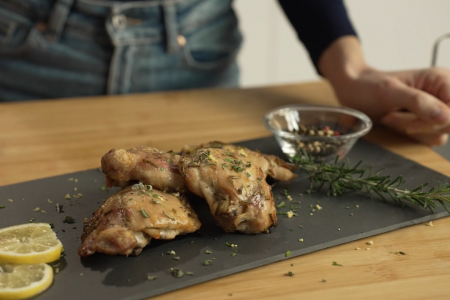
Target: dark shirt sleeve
318, 23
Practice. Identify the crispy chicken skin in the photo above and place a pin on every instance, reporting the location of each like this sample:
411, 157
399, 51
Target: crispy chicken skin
143, 164
271, 165
234, 187
129, 219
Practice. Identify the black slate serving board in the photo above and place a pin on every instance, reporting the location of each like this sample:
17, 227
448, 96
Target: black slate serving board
118, 277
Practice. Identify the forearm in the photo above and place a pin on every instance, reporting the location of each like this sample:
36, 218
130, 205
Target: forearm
343, 61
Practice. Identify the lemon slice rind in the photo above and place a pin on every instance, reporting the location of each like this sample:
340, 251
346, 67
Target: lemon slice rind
42, 246
34, 288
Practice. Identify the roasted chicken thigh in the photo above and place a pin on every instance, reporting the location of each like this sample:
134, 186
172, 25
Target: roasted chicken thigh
129, 219
271, 165
234, 188
143, 164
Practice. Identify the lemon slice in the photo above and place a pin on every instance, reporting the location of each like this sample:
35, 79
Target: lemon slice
24, 281
31, 243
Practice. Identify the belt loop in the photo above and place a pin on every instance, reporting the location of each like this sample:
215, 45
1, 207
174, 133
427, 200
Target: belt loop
58, 18
170, 24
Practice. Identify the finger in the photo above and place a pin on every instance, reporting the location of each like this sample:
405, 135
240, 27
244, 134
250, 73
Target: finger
437, 83
433, 140
408, 123
399, 121
425, 106
419, 126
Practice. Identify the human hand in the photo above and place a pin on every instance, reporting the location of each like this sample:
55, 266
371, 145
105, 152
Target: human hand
415, 103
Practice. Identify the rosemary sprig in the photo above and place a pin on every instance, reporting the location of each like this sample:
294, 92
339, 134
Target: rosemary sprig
341, 177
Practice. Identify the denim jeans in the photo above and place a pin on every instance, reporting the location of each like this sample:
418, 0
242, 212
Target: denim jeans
67, 48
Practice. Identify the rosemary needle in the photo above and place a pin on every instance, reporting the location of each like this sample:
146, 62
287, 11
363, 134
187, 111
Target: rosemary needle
342, 177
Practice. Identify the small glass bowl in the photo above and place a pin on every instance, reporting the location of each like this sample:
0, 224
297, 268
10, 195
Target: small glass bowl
322, 131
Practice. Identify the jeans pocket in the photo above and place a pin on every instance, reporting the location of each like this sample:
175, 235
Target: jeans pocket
17, 34
213, 46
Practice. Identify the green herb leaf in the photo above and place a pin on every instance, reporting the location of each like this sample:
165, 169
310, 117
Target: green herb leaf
152, 278
68, 220
341, 177
207, 262
282, 204
288, 253
337, 264
144, 213
177, 273
169, 216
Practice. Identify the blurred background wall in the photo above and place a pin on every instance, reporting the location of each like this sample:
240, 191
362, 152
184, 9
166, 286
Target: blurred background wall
395, 34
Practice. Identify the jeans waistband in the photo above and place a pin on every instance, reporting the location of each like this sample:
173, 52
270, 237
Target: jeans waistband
142, 22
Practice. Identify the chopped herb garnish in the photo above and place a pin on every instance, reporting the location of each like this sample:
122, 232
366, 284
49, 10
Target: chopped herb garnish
104, 188
150, 162
289, 274
32, 220
169, 216
68, 220
248, 174
207, 262
208, 252
190, 273
233, 254
162, 169
176, 258
288, 253
51, 225
177, 273
2, 206
59, 208
144, 213
152, 277
155, 196
337, 264
171, 252
282, 204
228, 244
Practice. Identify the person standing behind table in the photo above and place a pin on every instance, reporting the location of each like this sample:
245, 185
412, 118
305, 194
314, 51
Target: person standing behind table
326, 31
65, 48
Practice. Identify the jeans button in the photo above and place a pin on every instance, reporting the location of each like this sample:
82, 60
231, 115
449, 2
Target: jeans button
119, 21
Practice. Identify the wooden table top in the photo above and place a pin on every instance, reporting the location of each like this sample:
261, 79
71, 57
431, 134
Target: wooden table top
46, 138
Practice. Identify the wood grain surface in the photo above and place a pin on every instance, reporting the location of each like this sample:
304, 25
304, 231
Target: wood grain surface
45, 138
